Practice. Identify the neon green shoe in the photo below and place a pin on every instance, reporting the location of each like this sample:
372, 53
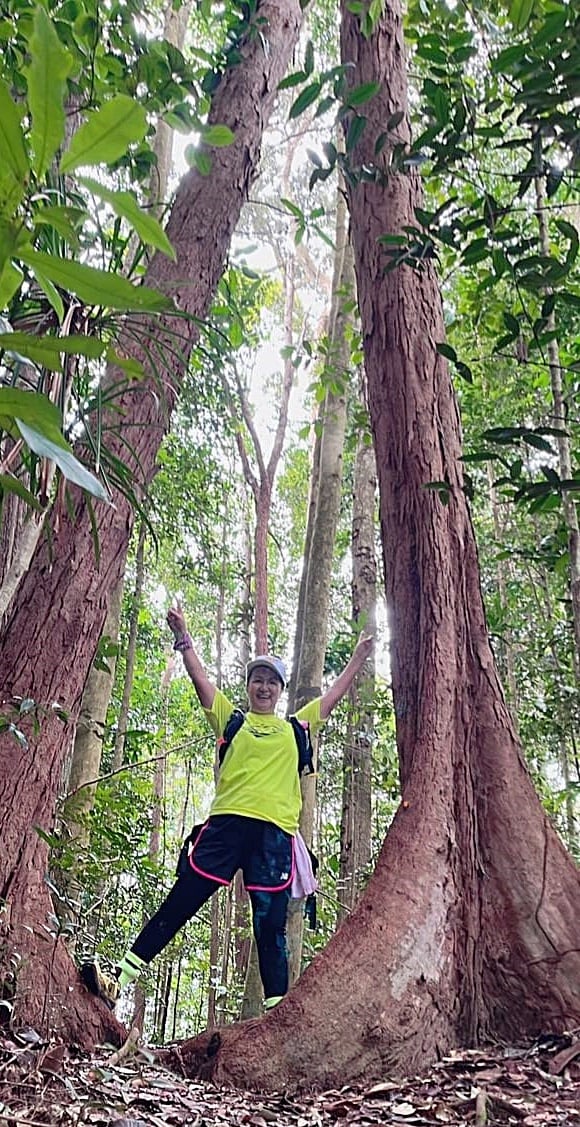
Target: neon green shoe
269, 1003
102, 985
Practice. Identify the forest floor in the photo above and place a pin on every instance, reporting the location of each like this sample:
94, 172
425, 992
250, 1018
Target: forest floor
45, 1083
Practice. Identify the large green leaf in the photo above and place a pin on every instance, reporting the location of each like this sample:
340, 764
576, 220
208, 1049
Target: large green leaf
32, 407
14, 166
47, 350
305, 99
107, 134
64, 458
360, 94
220, 136
125, 205
46, 76
96, 287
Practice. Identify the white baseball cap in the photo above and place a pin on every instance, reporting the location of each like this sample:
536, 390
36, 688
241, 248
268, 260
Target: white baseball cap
273, 663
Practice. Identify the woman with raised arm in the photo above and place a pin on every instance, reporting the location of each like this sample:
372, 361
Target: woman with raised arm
253, 820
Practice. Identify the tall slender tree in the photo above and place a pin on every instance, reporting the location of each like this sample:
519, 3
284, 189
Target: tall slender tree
355, 822
310, 645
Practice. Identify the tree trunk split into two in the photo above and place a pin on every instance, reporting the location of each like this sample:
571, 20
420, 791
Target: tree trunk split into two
53, 629
468, 929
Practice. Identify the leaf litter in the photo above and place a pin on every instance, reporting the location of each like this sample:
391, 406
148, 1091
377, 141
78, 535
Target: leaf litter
45, 1083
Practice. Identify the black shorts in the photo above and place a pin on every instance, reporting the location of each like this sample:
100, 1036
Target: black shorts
228, 842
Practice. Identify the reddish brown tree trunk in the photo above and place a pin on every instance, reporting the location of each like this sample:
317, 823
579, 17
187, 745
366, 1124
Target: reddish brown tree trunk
52, 632
469, 926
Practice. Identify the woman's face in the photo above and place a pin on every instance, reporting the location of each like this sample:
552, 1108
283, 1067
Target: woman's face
264, 689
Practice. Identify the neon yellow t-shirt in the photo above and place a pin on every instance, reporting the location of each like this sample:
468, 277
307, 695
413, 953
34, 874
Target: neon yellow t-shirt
259, 775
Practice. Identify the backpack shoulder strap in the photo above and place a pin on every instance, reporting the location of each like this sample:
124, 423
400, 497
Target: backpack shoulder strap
233, 725
304, 745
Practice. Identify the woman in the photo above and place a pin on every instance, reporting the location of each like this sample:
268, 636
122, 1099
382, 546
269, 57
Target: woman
253, 819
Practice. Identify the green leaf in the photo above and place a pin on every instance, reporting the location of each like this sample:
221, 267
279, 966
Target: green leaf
503, 435
198, 159
305, 99
107, 134
127, 363
309, 58
14, 166
46, 77
9, 484
236, 334
520, 13
31, 406
46, 350
96, 287
10, 281
536, 440
324, 105
62, 455
220, 136
64, 220
394, 120
292, 208
511, 323
443, 488
125, 205
360, 94
355, 132
52, 294
295, 79
446, 350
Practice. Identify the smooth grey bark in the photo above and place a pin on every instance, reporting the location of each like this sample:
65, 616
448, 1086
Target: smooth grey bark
310, 652
356, 824
85, 765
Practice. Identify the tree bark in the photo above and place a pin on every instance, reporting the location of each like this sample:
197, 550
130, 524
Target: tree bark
356, 824
154, 849
53, 628
131, 652
311, 645
468, 929
320, 548
85, 766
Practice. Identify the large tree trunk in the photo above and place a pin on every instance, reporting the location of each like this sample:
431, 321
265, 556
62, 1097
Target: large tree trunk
469, 927
52, 631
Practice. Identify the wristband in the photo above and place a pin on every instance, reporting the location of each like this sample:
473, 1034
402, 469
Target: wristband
183, 643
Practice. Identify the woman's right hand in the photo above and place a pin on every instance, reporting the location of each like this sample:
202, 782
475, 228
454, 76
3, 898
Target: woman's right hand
176, 621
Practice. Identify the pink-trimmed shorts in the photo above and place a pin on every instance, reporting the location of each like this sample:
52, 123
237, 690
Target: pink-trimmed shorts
228, 842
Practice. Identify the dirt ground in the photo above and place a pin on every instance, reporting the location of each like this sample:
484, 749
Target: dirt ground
43, 1083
